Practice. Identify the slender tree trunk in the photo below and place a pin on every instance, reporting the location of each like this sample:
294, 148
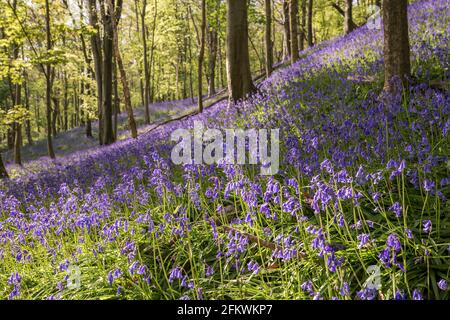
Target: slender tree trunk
268, 38
213, 47
293, 20
98, 57
49, 82
3, 172
55, 115
146, 68
201, 57
396, 43
17, 127
123, 75
310, 23
221, 64
10, 138
116, 99
238, 61
287, 31
17, 143
348, 18
27, 106
303, 26
108, 34
66, 104
152, 51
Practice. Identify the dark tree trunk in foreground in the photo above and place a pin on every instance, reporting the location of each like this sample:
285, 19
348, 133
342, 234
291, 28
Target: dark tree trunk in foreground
293, 20
348, 17
49, 80
238, 61
200, 58
287, 31
396, 43
3, 172
123, 75
268, 38
310, 24
108, 130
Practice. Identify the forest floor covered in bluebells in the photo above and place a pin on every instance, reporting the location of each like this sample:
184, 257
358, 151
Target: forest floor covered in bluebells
75, 140
364, 182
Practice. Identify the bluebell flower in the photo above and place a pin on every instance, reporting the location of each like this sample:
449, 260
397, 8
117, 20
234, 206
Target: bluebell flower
253, 266
427, 226
363, 240
396, 208
428, 185
417, 295
442, 284
393, 242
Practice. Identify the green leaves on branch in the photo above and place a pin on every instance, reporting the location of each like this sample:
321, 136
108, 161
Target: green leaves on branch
16, 114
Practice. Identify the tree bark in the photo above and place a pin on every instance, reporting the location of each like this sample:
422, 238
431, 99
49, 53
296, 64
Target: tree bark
287, 31
49, 83
238, 61
303, 26
213, 47
97, 55
123, 75
146, 68
201, 57
396, 44
3, 172
268, 38
108, 34
343, 13
293, 21
27, 106
309, 23
348, 17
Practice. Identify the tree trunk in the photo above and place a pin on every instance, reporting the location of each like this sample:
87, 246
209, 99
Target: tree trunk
268, 38
238, 61
116, 100
287, 31
213, 47
17, 127
49, 82
97, 55
200, 58
123, 75
55, 115
152, 51
108, 34
17, 144
303, 27
348, 18
310, 24
293, 20
348, 24
3, 172
146, 68
27, 106
65, 124
396, 44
